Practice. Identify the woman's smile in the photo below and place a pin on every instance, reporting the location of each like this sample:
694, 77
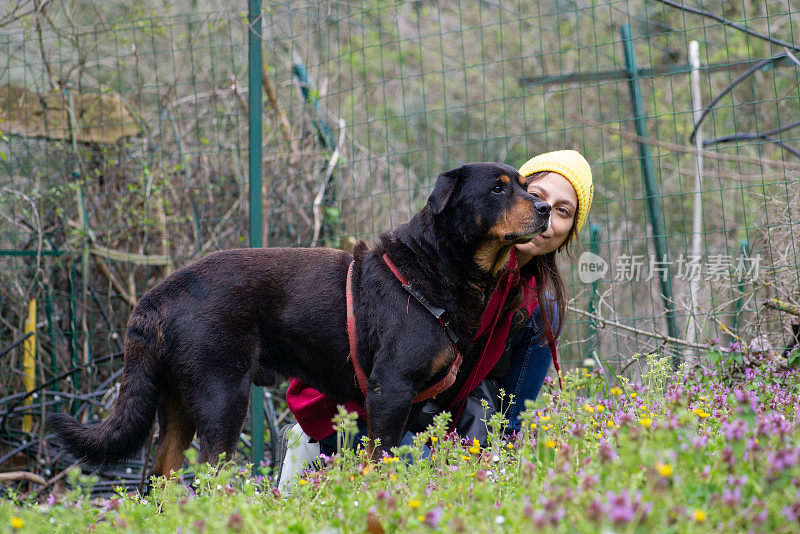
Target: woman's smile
557, 191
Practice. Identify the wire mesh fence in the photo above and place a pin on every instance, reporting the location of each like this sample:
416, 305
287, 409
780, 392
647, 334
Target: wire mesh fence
124, 155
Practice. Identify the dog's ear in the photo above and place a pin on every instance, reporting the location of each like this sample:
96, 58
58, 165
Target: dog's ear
443, 190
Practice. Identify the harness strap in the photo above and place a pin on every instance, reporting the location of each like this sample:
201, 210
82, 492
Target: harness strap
361, 377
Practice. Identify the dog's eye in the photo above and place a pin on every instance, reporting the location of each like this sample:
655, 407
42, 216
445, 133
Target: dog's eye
497, 188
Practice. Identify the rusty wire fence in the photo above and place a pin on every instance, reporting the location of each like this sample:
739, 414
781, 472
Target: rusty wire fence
124, 154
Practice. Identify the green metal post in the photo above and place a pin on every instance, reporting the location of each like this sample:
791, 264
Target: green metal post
48, 307
594, 248
651, 193
737, 304
73, 333
256, 208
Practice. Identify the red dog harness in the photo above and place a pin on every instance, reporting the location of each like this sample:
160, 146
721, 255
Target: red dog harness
361, 377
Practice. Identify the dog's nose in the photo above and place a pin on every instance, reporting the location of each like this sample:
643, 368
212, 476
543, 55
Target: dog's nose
542, 208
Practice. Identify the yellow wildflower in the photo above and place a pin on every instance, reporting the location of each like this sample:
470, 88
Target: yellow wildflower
509, 446
17, 522
610, 423
699, 515
663, 469
615, 391
413, 503
434, 439
474, 450
633, 395
302, 482
588, 408
544, 418
421, 518
366, 470
550, 444
599, 407
464, 457
393, 476
700, 413
645, 422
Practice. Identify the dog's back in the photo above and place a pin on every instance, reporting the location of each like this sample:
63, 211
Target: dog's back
202, 336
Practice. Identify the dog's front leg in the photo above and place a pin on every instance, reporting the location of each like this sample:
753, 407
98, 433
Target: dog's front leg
388, 404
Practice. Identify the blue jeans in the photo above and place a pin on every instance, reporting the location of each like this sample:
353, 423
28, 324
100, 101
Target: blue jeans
530, 362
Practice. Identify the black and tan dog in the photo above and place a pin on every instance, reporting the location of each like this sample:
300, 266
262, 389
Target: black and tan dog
197, 341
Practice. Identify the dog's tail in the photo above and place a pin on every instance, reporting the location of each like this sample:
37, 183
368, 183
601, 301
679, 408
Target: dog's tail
124, 432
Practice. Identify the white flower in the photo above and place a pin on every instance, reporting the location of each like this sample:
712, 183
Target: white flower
500, 519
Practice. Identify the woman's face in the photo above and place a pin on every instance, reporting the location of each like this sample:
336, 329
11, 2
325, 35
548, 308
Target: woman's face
556, 190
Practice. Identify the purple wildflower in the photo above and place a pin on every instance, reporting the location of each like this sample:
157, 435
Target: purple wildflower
433, 517
606, 452
732, 498
621, 509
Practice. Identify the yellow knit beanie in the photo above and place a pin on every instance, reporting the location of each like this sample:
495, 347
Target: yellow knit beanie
572, 166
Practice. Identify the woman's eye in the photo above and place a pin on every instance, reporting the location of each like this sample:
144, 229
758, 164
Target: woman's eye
564, 211
497, 188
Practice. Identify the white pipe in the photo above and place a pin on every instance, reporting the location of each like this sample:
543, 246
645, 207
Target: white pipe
697, 221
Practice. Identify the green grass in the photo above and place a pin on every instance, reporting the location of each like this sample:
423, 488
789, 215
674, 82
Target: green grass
687, 451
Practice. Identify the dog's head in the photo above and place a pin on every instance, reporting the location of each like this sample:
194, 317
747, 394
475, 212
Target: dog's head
489, 206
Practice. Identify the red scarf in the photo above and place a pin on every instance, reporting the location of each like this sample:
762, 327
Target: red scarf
496, 327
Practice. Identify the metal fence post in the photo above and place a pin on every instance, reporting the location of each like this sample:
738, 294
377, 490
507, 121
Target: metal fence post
256, 208
692, 329
744, 252
594, 248
651, 193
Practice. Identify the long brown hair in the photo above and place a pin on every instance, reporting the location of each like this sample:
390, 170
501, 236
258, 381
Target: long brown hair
550, 285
